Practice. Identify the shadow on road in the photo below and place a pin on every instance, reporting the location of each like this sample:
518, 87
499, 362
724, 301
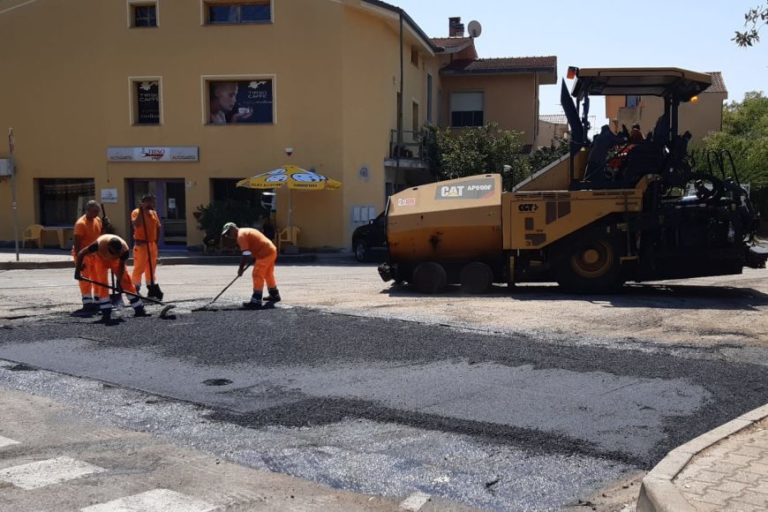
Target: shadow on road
664, 296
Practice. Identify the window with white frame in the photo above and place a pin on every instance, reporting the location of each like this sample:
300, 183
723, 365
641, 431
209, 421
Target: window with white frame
143, 15
467, 109
235, 13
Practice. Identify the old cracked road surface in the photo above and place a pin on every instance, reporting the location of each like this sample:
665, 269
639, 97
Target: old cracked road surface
389, 407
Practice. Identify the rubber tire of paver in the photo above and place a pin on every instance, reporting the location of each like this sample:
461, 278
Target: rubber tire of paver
476, 278
361, 251
429, 277
590, 265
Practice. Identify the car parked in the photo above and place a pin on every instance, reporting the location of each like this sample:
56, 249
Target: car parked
370, 239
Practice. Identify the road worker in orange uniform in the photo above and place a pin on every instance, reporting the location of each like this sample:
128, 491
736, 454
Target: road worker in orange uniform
87, 229
146, 232
254, 244
110, 252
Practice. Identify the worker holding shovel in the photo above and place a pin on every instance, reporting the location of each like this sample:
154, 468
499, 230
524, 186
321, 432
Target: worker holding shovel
87, 229
110, 252
146, 232
254, 244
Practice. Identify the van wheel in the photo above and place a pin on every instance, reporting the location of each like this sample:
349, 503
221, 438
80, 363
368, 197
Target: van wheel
429, 277
590, 265
476, 278
361, 251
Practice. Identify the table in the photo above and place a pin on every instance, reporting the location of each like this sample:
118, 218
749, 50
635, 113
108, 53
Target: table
64, 234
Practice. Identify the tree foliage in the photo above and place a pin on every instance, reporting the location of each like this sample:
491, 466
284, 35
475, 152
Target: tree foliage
745, 135
754, 19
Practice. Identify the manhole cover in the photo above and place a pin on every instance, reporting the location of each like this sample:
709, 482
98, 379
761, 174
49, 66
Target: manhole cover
21, 368
217, 382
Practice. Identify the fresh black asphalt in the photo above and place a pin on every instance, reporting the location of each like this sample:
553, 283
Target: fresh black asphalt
380, 398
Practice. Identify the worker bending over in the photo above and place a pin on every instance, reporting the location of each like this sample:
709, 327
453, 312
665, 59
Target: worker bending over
254, 244
146, 232
87, 229
110, 252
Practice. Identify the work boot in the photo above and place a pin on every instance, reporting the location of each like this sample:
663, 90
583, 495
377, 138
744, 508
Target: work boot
106, 315
139, 312
92, 308
274, 295
154, 291
254, 303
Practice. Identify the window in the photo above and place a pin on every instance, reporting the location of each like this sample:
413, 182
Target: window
63, 201
467, 109
414, 56
240, 102
429, 98
146, 102
231, 13
144, 15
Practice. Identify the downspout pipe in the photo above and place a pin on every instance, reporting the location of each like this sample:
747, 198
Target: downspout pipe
399, 146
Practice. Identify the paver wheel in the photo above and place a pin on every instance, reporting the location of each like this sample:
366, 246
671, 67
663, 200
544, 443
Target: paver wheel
590, 265
429, 277
476, 278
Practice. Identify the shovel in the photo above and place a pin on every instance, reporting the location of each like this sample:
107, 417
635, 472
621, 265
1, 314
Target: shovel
163, 312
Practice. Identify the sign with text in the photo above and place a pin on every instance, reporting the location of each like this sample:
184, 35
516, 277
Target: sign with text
153, 154
109, 195
147, 102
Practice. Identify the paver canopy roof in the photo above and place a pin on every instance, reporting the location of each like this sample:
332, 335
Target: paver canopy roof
675, 82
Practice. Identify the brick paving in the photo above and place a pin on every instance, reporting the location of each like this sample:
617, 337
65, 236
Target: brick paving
731, 476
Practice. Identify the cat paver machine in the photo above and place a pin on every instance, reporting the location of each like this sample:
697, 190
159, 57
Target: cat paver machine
610, 211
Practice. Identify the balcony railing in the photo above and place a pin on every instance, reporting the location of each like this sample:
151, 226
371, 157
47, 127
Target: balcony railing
411, 148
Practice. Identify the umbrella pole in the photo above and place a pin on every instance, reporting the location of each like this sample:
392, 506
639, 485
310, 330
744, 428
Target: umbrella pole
290, 206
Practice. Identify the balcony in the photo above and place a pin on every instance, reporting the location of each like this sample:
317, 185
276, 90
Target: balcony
410, 154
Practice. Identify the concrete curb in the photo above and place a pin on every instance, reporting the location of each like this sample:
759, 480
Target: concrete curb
658, 493
178, 260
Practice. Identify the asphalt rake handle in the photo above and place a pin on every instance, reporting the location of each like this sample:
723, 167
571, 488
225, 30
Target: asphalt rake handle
222, 291
163, 312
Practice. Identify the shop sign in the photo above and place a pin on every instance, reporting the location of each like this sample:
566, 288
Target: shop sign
153, 154
109, 195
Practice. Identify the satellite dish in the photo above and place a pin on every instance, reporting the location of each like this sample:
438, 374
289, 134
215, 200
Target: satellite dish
475, 29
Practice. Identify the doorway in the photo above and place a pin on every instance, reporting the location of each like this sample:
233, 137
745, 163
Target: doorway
171, 208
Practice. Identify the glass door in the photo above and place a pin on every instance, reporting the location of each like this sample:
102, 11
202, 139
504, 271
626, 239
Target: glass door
171, 208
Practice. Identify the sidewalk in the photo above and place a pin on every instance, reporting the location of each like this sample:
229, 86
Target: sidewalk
724, 470
56, 258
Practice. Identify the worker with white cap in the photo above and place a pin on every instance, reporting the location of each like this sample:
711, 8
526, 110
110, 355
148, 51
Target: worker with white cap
256, 245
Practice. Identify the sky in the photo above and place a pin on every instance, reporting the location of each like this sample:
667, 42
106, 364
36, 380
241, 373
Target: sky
687, 34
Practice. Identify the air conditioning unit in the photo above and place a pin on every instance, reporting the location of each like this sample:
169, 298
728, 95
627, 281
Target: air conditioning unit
6, 169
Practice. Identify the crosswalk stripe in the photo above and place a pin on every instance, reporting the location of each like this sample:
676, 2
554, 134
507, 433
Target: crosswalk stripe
47, 472
415, 501
151, 501
4, 441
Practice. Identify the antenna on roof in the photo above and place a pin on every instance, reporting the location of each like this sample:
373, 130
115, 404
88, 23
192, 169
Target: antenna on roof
475, 29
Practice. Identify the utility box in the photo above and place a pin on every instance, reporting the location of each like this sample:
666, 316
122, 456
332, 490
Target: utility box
6, 168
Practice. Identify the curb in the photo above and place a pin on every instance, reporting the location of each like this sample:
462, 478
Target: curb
168, 260
658, 493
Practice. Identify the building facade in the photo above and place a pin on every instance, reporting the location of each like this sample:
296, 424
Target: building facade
700, 117
182, 98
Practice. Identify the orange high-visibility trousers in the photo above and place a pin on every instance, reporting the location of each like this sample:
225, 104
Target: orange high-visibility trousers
101, 268
140, 263
87, 289
264, 270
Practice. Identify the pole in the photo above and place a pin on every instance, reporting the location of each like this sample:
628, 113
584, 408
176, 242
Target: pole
12, 148
400, 107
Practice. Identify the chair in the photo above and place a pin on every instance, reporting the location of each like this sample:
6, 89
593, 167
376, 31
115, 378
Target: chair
33, 233
289, 235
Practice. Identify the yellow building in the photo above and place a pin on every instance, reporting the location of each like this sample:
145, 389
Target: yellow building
700, 118
110, 99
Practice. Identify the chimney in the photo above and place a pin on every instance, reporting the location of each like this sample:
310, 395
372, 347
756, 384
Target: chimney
455, 27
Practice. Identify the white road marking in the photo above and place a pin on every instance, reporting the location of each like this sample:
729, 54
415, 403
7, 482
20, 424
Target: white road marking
151, 501
415, 501
47, 472
4, 441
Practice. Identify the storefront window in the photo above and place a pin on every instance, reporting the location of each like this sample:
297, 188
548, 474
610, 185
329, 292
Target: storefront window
147, 95
241, 102
63, 201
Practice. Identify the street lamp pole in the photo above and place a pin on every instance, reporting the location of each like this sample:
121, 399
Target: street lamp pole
11, 148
